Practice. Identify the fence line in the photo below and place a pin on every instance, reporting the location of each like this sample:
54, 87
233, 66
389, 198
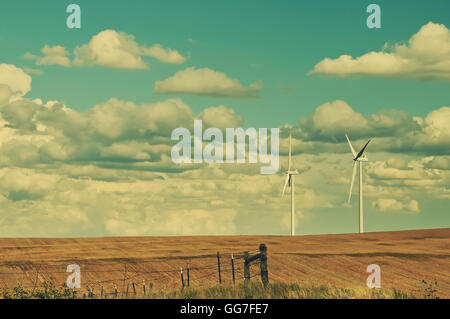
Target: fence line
228, 268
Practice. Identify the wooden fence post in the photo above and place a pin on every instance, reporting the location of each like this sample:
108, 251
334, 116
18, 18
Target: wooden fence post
218, 266
246, 267
263, 264
188, 279
124, 278
143, 286
182, 279
232, 268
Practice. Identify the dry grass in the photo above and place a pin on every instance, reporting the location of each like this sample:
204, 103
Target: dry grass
406, 259
252, 290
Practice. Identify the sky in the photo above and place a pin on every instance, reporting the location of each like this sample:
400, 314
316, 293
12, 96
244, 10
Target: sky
86, 115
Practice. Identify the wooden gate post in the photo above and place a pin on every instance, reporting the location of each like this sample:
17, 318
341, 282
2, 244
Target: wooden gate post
218, 267
187, 272
263, 264
182, 279
232, 268
246, 267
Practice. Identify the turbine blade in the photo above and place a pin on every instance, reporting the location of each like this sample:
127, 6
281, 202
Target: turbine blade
351, 146
362, 150
353, 181
290, 151
285, 184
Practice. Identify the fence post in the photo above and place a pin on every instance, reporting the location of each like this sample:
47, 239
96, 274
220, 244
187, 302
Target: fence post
182, 279
246, 267
218, 266
143, 287
187, 273
124, 278
263, 264
232, 268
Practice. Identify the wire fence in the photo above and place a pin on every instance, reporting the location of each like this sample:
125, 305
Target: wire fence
132, 277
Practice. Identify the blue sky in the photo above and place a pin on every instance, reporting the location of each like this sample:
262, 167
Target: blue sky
276, 43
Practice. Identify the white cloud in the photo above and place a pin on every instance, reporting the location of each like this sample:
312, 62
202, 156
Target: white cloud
164, 55
439, 162
391, 130
332, 120
5, 94
107, 170
397, 163
18, 81
206, 82
393, 205
336, 117
33, 71
425, 57
55, 55
110, 48
436, 129
221, 117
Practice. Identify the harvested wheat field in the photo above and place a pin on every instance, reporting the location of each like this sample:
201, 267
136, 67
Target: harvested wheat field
406, 259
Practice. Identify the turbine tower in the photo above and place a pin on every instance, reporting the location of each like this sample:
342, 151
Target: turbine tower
290, 181
358, 158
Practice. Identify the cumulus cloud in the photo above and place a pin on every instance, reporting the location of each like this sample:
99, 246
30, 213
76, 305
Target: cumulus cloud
108, 171
439, 162
52, 55
391, 130
33, 71
393, 205
164, 55
110, 48
221, 117
397, 163
5, 94
420, 178
435, 133
425, 57
206, 82
16, 79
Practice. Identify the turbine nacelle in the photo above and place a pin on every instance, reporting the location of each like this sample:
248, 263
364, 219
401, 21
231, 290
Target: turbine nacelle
363, 158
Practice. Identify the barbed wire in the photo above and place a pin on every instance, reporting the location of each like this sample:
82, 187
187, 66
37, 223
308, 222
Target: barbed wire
36, 275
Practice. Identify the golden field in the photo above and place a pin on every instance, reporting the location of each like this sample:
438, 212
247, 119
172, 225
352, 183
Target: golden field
406, 259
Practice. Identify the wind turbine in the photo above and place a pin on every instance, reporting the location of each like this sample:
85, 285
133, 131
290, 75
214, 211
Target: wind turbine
358, 158
290, 181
